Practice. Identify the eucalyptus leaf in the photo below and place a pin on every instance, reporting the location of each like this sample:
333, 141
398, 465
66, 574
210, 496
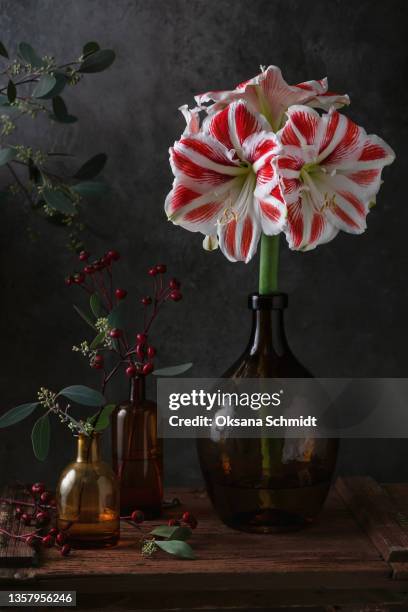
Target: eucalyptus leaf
90, 47
3, 50
173, 370
103, 421
97, 341
83, 395
98, 61
60, 82
40, 437
11, 91
96, 305
172, 533
4, 101
44, 86
177, 548
84, 316
61, 112
6, 155
91, 188
29, 55
92, 167
59, 201
116, 316
17, 414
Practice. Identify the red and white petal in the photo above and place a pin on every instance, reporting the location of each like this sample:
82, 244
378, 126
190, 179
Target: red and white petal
271, 210
340, 141
301, 128
196, 211
306, 228
345, 205
192, 117
317, 95
259, 149
233, 125
238, 238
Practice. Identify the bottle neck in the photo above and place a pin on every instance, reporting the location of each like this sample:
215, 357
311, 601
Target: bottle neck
137, 390
89, 448
268, 332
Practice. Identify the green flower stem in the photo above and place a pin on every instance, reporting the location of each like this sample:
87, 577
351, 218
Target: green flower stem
268, 283
269, 264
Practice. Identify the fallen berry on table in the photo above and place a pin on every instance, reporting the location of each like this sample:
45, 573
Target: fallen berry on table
137, 516
47, 541
65, 550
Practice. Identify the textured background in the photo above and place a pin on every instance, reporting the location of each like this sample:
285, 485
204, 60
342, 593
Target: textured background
348, 300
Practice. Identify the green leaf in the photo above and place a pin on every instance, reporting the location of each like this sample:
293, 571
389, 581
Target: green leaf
40, 437
176, 547
4, 101
11, 91
91, 188
115, 317
90, 47
44, 86
17, 414
97, 61
97, 341
61, 112
7, 155
29, 55
3, 50
96, 305
104, 418
172, 533
92, 167
83, 395
59, 201
60, 82
84, 316
173, 370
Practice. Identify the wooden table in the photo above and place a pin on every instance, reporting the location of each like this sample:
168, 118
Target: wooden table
352, 559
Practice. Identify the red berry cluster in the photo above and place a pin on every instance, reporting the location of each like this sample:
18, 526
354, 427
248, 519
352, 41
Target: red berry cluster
187, 518
97, 277
38, 513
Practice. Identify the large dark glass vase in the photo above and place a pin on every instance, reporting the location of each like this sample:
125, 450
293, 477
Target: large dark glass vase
288, 491
137, 453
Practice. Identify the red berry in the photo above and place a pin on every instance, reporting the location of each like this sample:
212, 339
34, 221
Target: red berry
120, 294
18, 512
137, 516
174, 284
79, 278
42, 517
26, 518
47, 541
161, 268
142, 338
30, 540
97, 362
113, 255
60, 539
69, 280
140, 351
175, 295
38, 488
173, 523
190, 520
152, 272
84, 256
151, 352
131, 371
89, 269
65, 550
147, 368
104, 261
45, 497
115, 333
53, 532
186, 517
146, 300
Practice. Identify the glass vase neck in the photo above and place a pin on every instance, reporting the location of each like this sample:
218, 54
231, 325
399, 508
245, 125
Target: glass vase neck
137, 390
89, 448
268, 329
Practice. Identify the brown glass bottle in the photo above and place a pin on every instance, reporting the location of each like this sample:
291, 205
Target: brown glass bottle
137, 453
88, 498
287, 493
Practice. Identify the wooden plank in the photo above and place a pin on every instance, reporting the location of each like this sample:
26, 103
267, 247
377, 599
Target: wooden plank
376, 513
14, 552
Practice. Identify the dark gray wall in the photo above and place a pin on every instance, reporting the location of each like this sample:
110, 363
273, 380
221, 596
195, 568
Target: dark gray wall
348, 300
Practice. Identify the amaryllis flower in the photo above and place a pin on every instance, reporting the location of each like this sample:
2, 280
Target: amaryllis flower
330, 171
225, 183
269, 94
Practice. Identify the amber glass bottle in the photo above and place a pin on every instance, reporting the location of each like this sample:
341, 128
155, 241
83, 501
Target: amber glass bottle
288, 490
137, 453
88, 498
